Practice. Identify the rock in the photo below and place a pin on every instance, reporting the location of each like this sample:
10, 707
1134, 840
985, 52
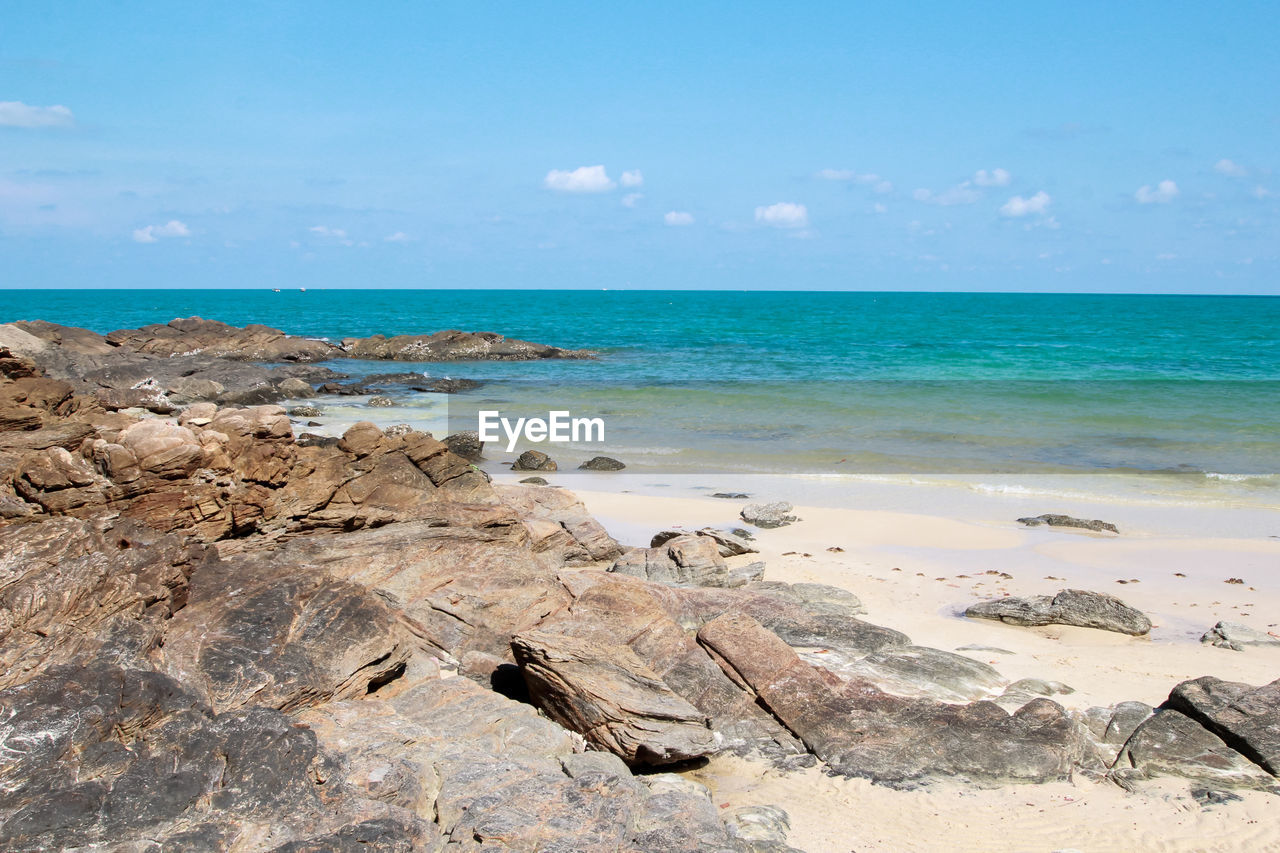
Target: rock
859, 730
184, 390
466, 444
759, 829
729, 544
535, 481
601, 463
1068, 607
557, 522
533, 460
296, 388
381, 402
777, 514
306, 411
1247, 718
65, 583
124, 758
363, 439
732, 496
917, 671
688, 560
1068, 521
1109, 729
195, 335
453, 345
255, 633
397, 430
446, 385
608, 695
1235, 636
1172, 744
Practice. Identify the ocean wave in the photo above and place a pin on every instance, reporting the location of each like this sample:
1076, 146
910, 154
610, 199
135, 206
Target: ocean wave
1242, 478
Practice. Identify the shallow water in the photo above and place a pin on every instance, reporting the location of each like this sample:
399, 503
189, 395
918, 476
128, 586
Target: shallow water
1170, 397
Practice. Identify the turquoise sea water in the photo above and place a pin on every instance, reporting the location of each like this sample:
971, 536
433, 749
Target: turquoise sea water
1181, 393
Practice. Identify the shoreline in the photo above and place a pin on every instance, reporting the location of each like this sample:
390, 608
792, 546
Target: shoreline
1102, 668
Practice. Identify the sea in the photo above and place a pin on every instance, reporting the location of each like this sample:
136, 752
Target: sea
1142, 397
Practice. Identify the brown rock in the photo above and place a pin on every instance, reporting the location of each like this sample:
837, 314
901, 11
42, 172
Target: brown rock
606, 694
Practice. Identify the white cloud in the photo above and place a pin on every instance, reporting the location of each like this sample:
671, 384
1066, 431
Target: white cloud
18, 114
784, 214
963, 193
1260, 192
398, 237
332, 233
630, 199
994, 178
879, 208
632, 179
678, 217
1019, 206
152, 233
1230, 168
877, 183
584, 179
1164, 193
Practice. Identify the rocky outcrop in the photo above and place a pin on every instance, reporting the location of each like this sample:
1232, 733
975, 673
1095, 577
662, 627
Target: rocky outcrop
860, 730
1067, 521
557, 521
729, 544
1172, 744
684, 560
1069, 607
453, 345
1235, 636
1247, 718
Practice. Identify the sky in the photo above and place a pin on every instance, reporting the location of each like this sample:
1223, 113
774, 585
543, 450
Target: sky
1128, 147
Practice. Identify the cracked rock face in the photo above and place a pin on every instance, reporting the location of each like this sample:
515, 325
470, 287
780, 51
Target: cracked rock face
606, 693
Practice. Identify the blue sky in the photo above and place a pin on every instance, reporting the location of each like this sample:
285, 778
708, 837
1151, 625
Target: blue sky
1097, 146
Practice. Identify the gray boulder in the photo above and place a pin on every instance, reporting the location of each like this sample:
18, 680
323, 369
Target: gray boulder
1172, 744
860, 730
770, 515
1247, 718
601, 463
1051, 520
1069, 607
1235, 636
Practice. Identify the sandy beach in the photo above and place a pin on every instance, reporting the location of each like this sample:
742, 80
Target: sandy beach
917, 573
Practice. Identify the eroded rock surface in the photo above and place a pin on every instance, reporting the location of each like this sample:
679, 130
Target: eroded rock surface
1069, 607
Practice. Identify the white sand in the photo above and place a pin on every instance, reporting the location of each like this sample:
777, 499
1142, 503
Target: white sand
917, 573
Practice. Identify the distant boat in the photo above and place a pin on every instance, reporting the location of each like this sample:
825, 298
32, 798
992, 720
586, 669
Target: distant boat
275, 290
302, 290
